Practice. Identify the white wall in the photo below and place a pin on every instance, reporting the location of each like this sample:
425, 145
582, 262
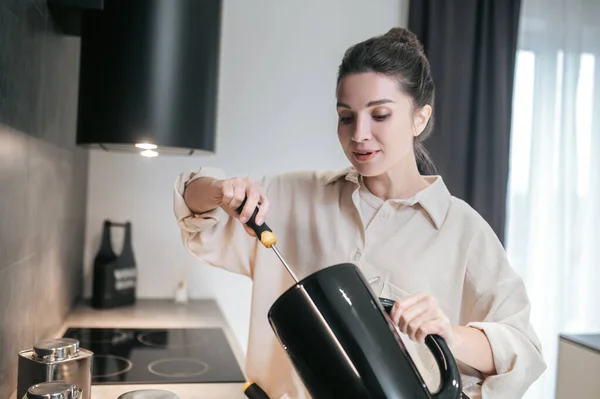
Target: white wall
278, 69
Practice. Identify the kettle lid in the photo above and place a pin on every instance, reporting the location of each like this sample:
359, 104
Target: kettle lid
53, 390
56, 348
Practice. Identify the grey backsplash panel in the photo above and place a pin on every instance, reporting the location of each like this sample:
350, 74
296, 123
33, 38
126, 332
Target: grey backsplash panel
43, 180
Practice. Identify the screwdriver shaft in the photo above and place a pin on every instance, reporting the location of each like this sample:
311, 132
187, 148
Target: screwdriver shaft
284, 262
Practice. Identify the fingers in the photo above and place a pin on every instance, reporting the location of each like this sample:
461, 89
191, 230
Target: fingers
227, 192
438, 326
411, 300
430, 319
418, 316
239, 193
263, 211
233, 193
252, 193
408, 308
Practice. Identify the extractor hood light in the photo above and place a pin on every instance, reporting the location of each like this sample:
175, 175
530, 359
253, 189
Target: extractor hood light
149, 153
146, 146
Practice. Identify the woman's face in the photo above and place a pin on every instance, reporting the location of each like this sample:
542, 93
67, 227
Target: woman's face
377, 124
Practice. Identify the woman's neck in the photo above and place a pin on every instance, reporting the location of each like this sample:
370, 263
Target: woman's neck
397, 183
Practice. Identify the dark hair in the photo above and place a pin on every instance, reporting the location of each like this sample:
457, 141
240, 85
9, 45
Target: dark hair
397, 53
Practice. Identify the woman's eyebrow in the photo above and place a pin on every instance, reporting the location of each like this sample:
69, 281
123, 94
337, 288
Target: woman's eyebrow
369, 104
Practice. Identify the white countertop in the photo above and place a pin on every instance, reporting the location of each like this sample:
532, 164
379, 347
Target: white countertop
156, 313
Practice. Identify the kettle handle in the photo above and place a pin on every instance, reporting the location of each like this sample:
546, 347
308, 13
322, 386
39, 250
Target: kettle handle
450, 382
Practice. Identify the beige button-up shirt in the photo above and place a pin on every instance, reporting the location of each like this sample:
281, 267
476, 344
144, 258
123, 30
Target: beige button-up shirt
432, 242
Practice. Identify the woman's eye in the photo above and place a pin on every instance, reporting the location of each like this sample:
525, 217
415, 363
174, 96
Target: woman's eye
380, 118
345, 119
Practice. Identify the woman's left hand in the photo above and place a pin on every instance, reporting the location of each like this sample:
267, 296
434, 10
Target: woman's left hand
419, 315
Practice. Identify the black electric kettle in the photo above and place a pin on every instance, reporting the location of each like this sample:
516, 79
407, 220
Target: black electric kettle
344, 345
342, 342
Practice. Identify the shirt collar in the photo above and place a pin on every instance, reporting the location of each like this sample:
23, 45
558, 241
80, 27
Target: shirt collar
435, 198
350, 174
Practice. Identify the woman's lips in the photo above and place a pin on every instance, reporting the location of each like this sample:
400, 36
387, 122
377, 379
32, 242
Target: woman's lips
363, 156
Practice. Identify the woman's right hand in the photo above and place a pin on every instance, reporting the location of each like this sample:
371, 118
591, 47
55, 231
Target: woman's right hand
230, 193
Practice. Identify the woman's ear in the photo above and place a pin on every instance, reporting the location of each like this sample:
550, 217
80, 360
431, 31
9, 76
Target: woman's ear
421, 118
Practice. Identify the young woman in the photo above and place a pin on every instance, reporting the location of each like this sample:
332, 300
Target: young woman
432, 253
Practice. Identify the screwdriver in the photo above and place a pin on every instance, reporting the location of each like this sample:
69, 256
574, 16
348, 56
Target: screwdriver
266, 236
253, 391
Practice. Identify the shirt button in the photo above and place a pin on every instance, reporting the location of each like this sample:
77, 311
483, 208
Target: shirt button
356, 256
385, 215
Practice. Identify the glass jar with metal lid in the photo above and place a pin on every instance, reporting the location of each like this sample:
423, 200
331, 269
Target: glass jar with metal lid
149, 394
56, 359
56, 349
53, 390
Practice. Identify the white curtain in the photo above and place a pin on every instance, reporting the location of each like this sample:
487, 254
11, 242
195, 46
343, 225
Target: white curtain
553, 215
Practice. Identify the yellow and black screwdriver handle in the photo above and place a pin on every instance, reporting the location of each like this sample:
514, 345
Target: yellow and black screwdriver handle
263, 232
267, 238
253, 391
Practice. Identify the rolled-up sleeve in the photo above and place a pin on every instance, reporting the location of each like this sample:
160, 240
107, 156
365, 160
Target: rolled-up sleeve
496, 302
213, 237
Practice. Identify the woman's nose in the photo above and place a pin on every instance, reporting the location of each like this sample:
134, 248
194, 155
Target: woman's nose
362, 131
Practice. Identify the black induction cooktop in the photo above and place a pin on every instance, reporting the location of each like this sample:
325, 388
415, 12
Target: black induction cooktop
131, 356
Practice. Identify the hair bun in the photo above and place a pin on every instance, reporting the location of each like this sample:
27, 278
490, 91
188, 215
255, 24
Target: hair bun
405, 36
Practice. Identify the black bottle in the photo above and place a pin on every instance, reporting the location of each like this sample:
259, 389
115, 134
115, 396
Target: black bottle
115, 277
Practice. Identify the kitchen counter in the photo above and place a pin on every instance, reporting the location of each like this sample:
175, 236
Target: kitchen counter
157, 313
589, 341
578, 363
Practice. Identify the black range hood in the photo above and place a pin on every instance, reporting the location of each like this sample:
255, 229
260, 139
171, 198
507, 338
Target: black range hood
148, 73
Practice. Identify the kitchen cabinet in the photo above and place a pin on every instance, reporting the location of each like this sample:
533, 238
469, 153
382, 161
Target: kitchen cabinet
578, 365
